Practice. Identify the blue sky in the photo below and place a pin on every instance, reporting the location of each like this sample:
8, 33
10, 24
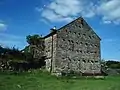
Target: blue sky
19, 18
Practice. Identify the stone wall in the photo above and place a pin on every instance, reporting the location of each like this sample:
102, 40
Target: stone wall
78, 49
50, 52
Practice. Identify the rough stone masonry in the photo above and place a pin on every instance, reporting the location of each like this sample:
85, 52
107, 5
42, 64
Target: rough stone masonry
75, 47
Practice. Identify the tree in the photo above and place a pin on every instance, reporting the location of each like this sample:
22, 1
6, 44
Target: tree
36, 45
34, 39
113, 64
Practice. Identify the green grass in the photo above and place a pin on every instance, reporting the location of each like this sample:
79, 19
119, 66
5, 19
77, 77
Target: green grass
39, 80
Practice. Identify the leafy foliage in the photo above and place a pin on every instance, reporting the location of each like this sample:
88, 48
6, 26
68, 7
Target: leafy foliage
11, 53
113, 64
34, 40
12, 58
35, 48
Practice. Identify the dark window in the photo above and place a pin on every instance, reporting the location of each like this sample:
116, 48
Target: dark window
63, 58
81, 43
95, 52
48, 51
80, 51
74, 59
68, 40
96, 61
86, 44
74, 32
63, 39
72, 41
84, 61
77, 50
89, 37
91, 45
83, 34
95, 45
92, 61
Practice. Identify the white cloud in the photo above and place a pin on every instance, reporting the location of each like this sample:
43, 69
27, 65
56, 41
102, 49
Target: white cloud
9, 40
66, 7
112, 60
66, 10
107, 21
110, 11
3, 26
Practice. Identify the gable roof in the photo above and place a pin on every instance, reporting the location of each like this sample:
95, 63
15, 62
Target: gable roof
80, 18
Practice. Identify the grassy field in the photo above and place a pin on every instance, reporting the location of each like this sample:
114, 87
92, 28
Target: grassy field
43, 81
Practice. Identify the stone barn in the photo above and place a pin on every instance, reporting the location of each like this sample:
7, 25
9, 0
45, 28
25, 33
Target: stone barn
73, 47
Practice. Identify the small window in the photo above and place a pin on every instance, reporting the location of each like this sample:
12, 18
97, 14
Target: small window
68, 40
48, 51
77, 50
89, 37
81, 43
63, 39
72, 41
92, 61
91, 52
95, 45
91, 45
74, 32
80, 51
83, 34
84, 61
86, 44
95, 52
96, 61
63, 58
